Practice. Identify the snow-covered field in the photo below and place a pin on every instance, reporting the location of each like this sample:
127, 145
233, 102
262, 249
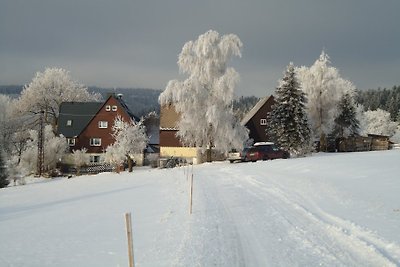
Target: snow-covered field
325, 210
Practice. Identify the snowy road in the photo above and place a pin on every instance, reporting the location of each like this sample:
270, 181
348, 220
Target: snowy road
326, 210
247, 220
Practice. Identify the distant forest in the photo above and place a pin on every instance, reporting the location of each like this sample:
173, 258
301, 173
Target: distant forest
386, 99
142, 101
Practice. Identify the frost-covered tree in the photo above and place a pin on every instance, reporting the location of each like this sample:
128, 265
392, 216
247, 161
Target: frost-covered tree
377, 122
54, 149
80, 158
346, 123
6, 122
114, 156
324, 88
48, 90
130, 139
3, 172
204, 99
288, 122
396, 137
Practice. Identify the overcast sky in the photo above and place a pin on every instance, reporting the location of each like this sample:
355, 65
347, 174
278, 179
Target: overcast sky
132, 43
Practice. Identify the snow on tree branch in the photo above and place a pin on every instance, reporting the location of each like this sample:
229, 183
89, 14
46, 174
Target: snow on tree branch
48, 90
130, 139
204, 99
324, 88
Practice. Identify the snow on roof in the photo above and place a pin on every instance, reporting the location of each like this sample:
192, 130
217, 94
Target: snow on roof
263, 143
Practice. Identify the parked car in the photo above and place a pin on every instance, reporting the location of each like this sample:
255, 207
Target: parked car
236, 156
266, 151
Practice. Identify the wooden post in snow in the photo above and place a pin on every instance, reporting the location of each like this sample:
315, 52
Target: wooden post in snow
128, 223
191, 195
187, 172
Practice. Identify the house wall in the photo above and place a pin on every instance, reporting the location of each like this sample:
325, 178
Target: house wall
257, 131
93, 131
168, 139
168, 127
178, 152
168, 117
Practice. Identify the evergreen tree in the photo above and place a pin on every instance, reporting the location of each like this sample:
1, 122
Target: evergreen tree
393, 107
288, 119
3, 173
346, 123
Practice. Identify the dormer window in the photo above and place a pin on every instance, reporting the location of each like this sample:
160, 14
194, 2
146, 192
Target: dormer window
69, 122
114, 108
108, 107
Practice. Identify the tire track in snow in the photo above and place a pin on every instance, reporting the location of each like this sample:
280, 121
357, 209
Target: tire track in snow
358, 245
210, 238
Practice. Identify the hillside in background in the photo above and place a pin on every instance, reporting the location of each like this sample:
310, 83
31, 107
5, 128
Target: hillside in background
140, 101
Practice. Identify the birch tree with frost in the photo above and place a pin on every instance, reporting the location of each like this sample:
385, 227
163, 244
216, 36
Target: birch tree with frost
324, 88
130, 139
48, 90
204, 99
377, 122
55, 149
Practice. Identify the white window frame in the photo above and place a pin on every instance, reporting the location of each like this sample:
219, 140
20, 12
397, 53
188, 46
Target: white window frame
103, 124
71, 141
114, 108
95, 141
69, 122
263, 121
93, 157
108, 107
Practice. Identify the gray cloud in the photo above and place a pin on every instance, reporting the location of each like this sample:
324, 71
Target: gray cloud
134, 43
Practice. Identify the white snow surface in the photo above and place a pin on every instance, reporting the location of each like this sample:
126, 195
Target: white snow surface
339, 209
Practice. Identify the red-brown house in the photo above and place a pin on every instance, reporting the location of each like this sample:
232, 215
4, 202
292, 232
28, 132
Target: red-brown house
89, 124
256, 119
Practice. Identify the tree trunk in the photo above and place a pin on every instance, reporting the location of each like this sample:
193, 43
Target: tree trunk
209, 155
130, 164
117, 168
322, 143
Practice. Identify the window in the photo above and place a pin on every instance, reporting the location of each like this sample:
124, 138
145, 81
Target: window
69, 122
95, 141
103, 124
114, 108
108, 108
71, 141
94, 159
263, 122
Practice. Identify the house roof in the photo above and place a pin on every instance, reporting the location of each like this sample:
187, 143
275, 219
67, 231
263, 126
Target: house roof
80, 113
126, 108
254, 110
